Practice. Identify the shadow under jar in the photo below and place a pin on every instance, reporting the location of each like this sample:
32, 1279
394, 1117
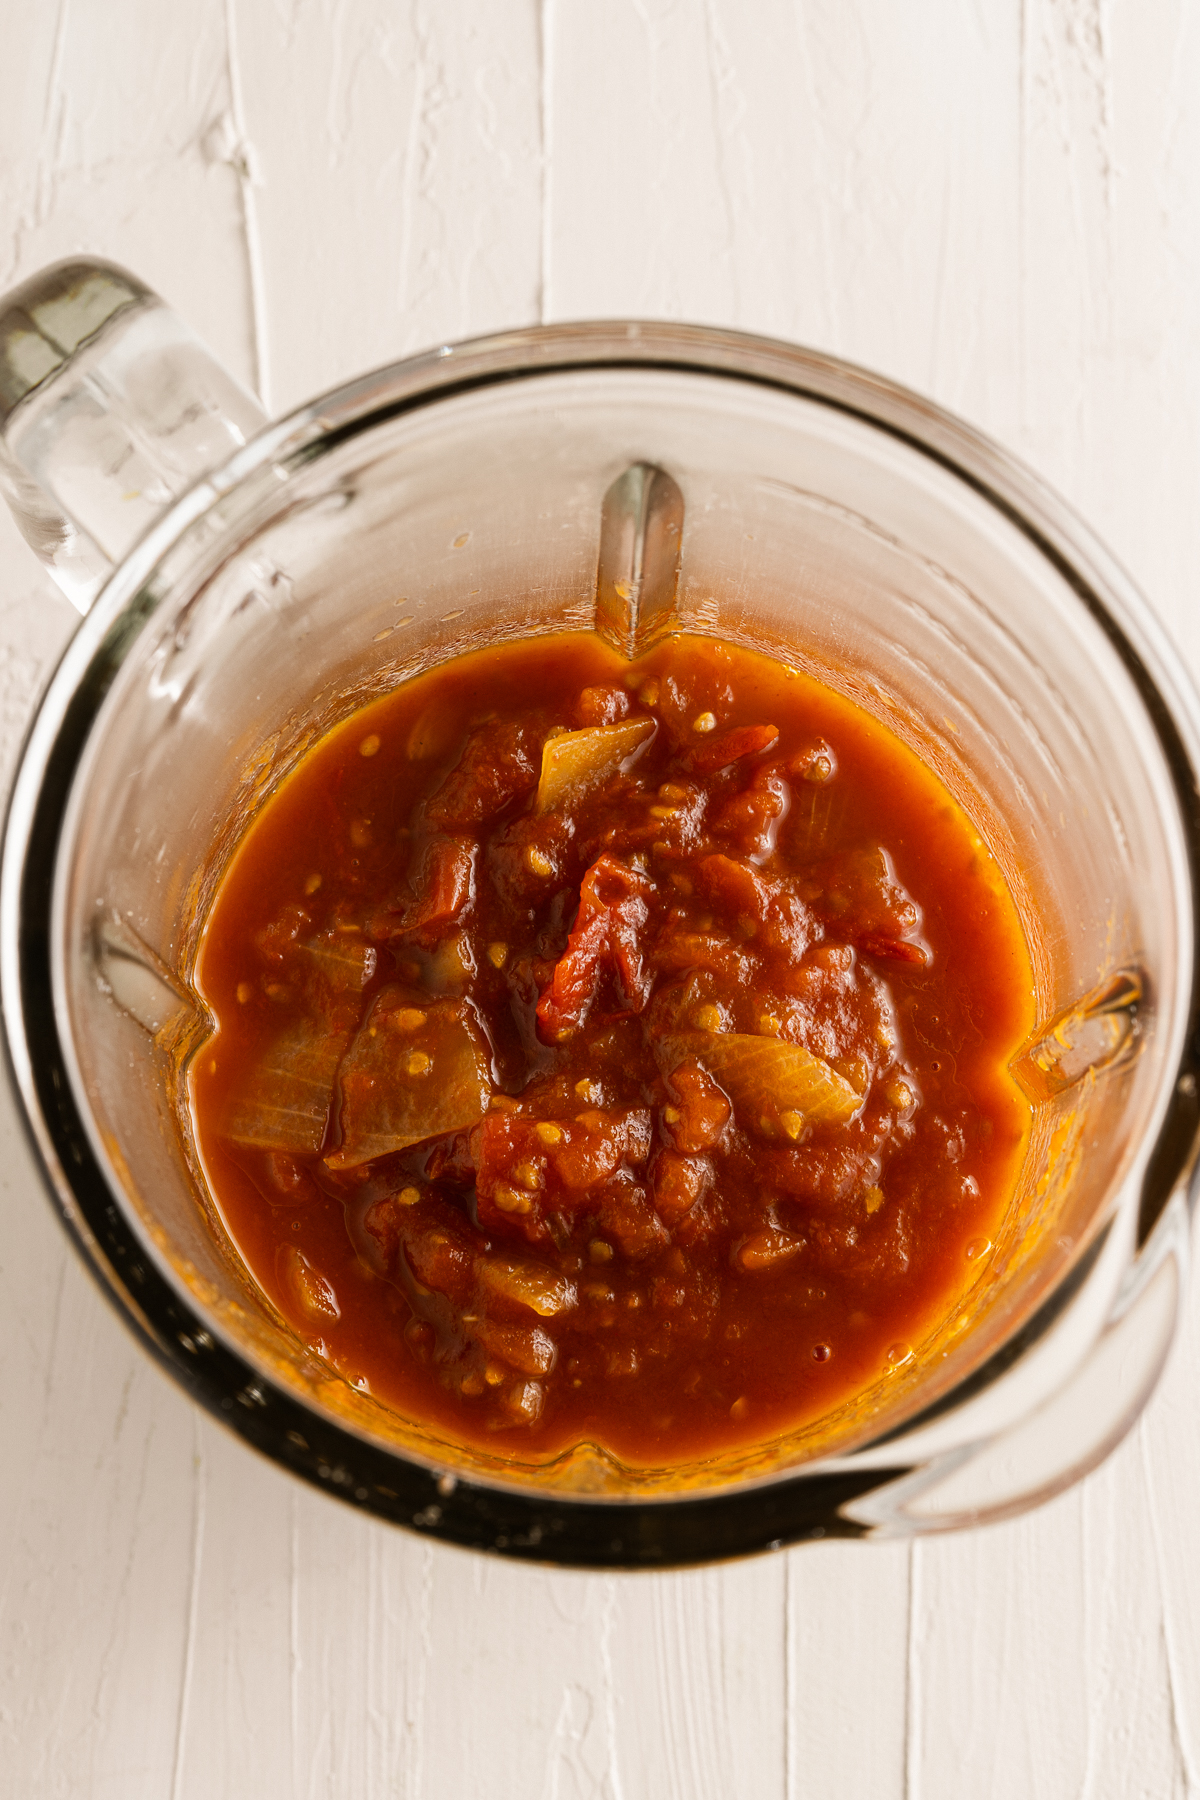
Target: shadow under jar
640, 480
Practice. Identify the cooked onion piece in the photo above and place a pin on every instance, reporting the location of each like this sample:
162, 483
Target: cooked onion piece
574, 761
285, 1102
776, 1088
414, 1071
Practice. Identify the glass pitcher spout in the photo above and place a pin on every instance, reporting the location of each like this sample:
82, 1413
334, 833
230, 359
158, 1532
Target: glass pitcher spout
110, 408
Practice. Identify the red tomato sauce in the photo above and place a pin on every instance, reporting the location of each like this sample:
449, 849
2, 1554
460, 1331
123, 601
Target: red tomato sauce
612, 1053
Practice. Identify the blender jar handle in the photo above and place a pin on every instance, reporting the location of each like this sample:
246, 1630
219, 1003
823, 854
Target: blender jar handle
110, 409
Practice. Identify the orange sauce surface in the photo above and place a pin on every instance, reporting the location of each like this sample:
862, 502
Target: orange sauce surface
612, 1052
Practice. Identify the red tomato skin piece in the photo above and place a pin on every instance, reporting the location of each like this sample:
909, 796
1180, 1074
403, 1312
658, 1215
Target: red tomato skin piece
874, 943
608, 926
731, 747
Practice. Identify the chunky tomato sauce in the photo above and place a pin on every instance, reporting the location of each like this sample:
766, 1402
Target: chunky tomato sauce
612, 1052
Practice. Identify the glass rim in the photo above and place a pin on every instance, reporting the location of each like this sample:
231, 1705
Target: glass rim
662, 1529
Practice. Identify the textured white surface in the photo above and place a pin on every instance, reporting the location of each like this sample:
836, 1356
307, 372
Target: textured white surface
997, 201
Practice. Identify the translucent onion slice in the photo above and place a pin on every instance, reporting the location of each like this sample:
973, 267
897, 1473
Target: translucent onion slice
527, 1284
343, 958
414, 1071
307, 1286
285, 1102
776, 1088
574, 761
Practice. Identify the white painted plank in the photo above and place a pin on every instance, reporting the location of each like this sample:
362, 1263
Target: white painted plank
700, 1661
399, 157
237, 1688
1167, 1455
1109, 251
1000, 1702
109, 151
843, 175
94, 1523
1042, 1663
848, 1695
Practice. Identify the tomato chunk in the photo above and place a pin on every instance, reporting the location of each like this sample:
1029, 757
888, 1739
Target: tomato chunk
731, 746
497, 766
443, 889
529, 1169
606, 936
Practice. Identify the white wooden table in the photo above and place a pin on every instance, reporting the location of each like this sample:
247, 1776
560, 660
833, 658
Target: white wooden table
995, 201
